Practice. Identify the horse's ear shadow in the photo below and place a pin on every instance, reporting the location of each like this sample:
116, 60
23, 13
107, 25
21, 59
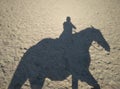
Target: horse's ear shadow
91, 26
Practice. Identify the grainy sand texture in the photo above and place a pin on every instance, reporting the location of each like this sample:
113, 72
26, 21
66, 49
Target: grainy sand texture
23, 23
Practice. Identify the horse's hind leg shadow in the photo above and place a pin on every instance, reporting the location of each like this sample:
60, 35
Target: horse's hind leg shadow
19, 78
36, 83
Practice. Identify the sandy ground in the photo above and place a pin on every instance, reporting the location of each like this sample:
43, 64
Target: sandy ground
23, 23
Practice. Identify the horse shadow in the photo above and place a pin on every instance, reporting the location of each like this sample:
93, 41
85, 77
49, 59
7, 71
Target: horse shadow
56, 59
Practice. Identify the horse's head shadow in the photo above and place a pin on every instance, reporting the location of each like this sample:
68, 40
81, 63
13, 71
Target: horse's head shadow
88, 35
56, 59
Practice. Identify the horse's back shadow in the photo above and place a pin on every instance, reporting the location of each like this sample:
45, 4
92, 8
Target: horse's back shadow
56, 59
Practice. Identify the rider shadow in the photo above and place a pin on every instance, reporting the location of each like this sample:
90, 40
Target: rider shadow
56, 59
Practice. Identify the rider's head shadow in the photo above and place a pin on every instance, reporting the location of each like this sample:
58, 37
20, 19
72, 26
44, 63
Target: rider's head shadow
67, 29
56, 59
68, 19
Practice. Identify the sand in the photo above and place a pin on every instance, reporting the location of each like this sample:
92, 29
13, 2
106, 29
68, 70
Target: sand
23, 23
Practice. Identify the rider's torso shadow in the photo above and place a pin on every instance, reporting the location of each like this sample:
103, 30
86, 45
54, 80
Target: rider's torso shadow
57, 59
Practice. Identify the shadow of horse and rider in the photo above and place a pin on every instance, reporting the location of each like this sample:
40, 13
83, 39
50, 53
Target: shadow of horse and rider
58, 58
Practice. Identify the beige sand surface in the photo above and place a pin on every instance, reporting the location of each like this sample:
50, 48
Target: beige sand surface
23, 23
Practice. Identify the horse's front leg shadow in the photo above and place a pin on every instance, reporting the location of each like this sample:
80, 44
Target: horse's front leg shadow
74, 82
90, 80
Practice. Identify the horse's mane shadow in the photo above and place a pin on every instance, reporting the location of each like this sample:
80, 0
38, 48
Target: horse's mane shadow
57, 59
